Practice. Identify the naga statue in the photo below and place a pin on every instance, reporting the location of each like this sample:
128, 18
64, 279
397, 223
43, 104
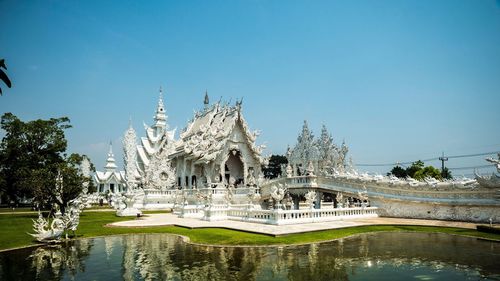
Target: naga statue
492, 181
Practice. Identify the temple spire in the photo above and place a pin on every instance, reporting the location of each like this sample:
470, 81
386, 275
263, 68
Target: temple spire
206, 101
160, 117
110, 162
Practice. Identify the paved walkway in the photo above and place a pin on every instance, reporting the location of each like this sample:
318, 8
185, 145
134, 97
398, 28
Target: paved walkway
171, 219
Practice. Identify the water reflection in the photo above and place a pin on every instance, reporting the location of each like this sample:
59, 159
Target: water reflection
396, 256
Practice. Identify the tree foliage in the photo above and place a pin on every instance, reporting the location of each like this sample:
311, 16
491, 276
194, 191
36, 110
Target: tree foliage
274, 168
446, 174
418, 171
398, 172
31, 156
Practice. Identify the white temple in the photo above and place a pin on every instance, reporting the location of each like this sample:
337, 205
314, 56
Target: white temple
321, 156
111, 180
217, 147
213, 171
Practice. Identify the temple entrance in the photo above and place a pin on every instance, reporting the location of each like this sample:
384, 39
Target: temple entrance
234, 168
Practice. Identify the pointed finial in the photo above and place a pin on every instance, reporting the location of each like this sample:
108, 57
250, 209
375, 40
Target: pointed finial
206, 101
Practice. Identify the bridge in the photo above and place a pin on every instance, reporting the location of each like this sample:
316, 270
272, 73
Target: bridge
399, 198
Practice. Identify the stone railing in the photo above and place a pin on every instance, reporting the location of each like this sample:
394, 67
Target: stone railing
190, 212
157, 192
281, 217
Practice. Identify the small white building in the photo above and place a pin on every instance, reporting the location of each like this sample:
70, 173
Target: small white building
111, 180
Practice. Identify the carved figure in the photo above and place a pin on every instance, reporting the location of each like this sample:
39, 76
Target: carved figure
492, 181
278, 193
310, 198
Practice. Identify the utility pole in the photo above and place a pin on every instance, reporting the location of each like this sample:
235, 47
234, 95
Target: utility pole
442, 159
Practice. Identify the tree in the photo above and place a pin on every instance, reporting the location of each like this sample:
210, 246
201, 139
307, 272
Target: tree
426, 172
446, 174
417, 170
3, 75
415, 167
399, 172
31, 158
273, 169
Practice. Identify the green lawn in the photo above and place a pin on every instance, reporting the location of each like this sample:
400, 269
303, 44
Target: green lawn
14, 228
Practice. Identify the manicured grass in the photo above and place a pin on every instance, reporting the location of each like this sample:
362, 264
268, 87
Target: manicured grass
14, 228
15, 210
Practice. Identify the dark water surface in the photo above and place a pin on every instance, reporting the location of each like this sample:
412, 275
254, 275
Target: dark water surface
378, 256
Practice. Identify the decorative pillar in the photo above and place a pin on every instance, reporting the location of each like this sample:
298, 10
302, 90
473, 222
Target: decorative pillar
317, 203
296, 202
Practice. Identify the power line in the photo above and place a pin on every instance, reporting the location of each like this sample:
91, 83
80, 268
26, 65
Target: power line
471, 167
428, 160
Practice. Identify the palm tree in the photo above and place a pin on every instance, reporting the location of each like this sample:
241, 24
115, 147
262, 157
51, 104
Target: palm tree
3, 75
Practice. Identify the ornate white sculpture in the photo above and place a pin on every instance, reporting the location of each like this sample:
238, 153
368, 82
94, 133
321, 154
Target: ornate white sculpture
340, 199
492, 181
130, 156
60, 223
310, 198
85, 168
127, 209
44, 233
289, 171
206, 198
253, 197
326, 156
71, 217
310, 169
363, 197
278, 193
159, 173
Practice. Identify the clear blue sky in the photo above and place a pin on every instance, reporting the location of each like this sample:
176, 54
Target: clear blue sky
398, 80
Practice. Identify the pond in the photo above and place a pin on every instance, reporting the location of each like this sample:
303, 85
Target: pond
377, 256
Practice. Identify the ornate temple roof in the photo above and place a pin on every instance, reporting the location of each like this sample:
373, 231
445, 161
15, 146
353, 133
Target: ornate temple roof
156, 135
110, 172
208, 132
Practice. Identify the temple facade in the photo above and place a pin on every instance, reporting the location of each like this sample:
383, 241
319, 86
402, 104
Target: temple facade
110, 180
215, 149
317, 156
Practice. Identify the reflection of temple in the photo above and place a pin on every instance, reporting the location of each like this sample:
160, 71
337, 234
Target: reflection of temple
166, 257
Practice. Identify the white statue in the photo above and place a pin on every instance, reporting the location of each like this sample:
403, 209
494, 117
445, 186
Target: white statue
45, 234
495, 161
85, 168
340, 199
128, 200
159, 173
310, 198
329, 157
289, 171
492, 181
363, 197
278, 193
251, 179
310, 169
130, 156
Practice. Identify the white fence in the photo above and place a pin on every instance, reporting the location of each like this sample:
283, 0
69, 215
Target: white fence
278, 216
281, 217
